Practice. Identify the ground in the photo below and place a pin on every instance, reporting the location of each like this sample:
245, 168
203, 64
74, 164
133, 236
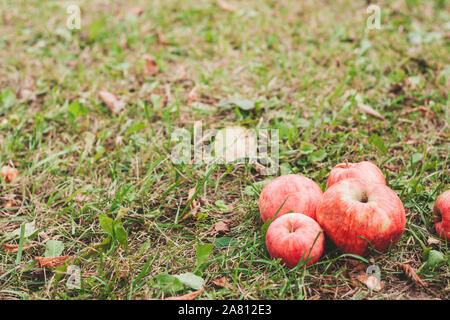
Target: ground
333, 85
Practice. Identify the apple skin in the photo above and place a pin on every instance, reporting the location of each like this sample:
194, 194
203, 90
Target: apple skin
300, 193
293, 235
345, 217
441, 211
364, 170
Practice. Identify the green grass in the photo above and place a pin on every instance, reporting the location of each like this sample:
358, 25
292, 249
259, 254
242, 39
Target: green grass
307, 64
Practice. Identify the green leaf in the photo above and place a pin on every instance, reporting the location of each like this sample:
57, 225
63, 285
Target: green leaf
435, 258
317, 156
53, 248
30, 230
60, 272
191, 280
254, 189
100, 151
416, 157
135, 128
8, 98
376, 141
76, 109
169, 283
224, 242
307, 148
107, 224
202, 253
220, 204
121, 234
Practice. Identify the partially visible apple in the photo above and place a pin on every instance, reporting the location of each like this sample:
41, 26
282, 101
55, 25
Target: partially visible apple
353, 209
364, 170
294, 237
442, 215
298, 193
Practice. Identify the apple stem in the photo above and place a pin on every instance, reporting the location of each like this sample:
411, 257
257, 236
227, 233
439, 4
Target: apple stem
346, 163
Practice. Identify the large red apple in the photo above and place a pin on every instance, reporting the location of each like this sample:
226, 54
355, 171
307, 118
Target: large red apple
364, 170
294, 237
298, 193
353, 209
442, 215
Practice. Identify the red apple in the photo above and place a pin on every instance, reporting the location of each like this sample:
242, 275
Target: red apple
294, 236
353, 208
364, 170
442, 215
298, 193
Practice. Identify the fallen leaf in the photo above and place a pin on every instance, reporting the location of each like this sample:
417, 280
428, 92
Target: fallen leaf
221, 227
150, 67
195, 204
372, 282
137, 11
189, 296
13, 248
161, 38
226, 6
421, 108
193, 95
8, 204
222, 283
432, 240
9, 173
410, 273
51, 262
7, 16
27, 94
111, 101
370, 111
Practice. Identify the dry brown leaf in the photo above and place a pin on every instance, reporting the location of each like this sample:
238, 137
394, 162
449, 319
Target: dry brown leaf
7, 16
111, 101
195, 204
137, 11
410, 273
9, 173
8, 204
370, 111
27, 94
226, 6
221, 227
370, 281
193, 95
151, 67
259, 167
161, 38
189, 296
432, 241
222, 283
13, 248
421, 108
51, 262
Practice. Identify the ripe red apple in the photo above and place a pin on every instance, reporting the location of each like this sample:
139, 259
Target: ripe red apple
442, 215
353, 208
298, 193
294, 236
364, 170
